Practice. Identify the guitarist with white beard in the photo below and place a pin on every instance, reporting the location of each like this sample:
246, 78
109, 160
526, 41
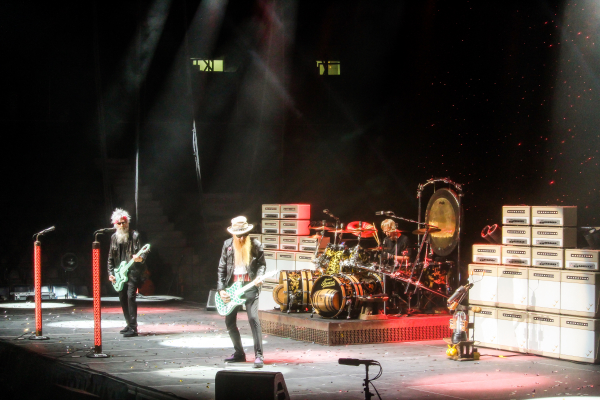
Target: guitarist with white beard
124, 245
242, 259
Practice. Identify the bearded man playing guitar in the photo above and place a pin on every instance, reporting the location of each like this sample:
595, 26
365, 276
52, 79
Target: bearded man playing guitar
124, 245
242, 260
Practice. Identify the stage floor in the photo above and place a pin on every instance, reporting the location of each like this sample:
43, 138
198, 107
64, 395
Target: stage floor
181, 347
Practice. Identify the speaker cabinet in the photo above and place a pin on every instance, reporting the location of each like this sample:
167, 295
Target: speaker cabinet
547, 257
579, 339
512, 287
487, 253
543, 334
250, 386
210, 304
516, 255
580, 293
512, 330
485, 326
583, 260
544, 290
554, 215
516, 215
485, 284
516, 235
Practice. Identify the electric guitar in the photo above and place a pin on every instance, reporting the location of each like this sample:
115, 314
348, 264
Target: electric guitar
235, 293
121, 271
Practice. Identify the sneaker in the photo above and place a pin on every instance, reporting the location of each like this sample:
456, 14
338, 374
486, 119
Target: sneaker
125, 330
130, 333
259, 362
236, 358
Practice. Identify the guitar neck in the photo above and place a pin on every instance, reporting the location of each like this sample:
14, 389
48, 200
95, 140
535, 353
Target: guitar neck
249, 285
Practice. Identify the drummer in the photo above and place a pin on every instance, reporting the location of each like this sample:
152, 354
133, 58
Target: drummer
395, 245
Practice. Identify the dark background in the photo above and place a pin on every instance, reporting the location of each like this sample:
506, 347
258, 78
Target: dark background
498, 96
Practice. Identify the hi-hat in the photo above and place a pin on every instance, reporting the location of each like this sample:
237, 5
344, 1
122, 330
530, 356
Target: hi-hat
423, 230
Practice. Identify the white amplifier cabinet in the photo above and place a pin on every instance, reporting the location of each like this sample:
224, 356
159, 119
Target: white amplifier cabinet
485, 284
271, 260
304, 261
547, 257
544, 290
487, 253
288, 243
553, 237
309, 243
256, 236
554, 215
265, 299
583, 260
270, 226
516, 215
516, 235
512, 287
579, 339
286, 261
543, 336
270, 242
512, 330
294, 227
516, 255
295, 211
485, 326
580, 293
271, 211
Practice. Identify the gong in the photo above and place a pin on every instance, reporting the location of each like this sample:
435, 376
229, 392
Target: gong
442, 211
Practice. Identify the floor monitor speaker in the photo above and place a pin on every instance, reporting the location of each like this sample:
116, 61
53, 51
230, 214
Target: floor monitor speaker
250, 385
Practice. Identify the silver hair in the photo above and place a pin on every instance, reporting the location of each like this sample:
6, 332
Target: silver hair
119, 214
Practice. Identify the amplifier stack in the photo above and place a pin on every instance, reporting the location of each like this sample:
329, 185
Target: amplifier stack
538, 293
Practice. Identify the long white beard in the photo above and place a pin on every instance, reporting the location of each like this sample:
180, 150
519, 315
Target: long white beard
122, 235
241, 252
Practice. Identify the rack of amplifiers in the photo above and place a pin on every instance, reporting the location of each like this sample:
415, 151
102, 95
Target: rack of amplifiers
539, 294
287, 244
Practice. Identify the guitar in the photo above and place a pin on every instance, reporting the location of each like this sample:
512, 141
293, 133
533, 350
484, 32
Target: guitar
121, 271
235, 292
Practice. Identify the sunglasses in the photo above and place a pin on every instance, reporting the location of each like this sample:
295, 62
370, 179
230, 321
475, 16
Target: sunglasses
122, 223
242, 235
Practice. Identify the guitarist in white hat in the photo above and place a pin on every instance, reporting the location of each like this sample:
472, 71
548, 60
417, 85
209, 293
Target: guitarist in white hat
242, 259
124, 245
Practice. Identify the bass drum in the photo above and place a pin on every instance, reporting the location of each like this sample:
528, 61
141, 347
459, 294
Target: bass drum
293, 291
340, 294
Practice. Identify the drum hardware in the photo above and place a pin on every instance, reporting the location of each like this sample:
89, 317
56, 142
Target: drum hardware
444, 210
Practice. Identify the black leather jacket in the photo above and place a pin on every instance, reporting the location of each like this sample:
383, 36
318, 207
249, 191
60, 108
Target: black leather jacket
256, 268
137, 270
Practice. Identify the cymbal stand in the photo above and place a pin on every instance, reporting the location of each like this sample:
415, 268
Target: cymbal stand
320, 239
338, 226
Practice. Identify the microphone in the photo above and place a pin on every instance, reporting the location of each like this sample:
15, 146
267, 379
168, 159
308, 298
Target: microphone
44, 231
356, 362
457, 297
388, 213
106, 230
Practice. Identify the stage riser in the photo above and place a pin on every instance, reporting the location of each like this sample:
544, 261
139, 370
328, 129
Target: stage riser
333, 332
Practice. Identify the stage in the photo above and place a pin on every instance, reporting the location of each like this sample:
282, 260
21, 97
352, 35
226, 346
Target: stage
181, 347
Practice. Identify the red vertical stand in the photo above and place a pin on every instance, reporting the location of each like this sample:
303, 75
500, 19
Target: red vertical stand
97, 304
37, 276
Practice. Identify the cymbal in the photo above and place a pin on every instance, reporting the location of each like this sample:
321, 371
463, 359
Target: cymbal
365, 229
422, 231
396, 231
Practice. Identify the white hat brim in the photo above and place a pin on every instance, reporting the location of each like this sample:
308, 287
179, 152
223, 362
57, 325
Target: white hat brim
248, 229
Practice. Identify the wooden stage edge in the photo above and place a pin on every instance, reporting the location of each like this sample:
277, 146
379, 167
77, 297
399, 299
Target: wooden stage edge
338, 332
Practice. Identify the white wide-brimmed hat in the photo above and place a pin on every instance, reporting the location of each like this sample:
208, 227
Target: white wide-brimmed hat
239, 226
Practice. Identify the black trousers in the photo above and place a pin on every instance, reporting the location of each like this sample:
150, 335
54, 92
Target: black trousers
252, 311
127, 298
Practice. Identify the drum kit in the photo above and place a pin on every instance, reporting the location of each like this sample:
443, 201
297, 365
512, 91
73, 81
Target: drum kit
345, 277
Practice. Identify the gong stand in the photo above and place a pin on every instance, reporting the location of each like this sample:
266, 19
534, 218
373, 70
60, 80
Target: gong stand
459, 192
